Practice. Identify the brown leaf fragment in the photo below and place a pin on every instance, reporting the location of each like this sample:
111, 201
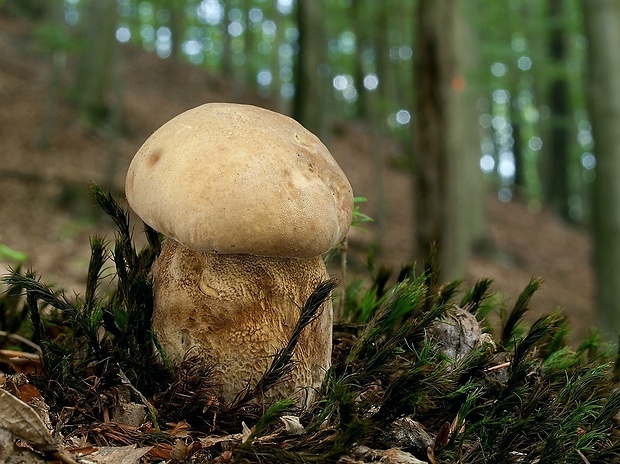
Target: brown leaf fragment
211, 441
28, 392
160, 452
118, 455
24, 423
442, 436
292, 425
362, 454
180, 450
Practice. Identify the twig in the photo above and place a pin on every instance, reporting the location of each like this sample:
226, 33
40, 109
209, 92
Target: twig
11, 354
583, 457
149, 406
499, 366
23, 340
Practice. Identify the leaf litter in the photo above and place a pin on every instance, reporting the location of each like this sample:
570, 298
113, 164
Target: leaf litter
416, 377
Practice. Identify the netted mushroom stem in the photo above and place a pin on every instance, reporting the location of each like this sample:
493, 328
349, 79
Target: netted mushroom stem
239, 310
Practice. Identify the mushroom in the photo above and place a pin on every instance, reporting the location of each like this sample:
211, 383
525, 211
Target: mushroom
249, 200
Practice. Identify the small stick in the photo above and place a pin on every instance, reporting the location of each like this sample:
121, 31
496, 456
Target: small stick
11, 354
23, 340
499, 366
583, 457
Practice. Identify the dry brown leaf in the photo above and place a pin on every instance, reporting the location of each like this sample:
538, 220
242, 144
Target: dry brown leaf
179, 430
292, 425
161, 451
210, 441
23, 422
118, 455
28, 392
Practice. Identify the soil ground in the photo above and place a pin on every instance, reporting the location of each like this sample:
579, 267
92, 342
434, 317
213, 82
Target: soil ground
46, 210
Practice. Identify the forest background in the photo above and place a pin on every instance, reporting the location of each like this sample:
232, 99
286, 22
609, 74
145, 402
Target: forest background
470, 124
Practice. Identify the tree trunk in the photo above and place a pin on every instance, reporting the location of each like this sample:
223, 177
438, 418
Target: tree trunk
555, 168
227, 59
311, 90
432, 68
385, 68
448, 196
96, 61
602, 21
520, 179
58, 60
360, 29
177, 28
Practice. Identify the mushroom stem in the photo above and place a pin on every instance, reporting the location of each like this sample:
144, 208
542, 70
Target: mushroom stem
239, 311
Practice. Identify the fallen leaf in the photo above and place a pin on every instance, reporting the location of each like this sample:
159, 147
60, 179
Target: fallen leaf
292, 425
246, 432
24, 423
118, 455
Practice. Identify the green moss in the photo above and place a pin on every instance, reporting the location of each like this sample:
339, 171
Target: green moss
526, 397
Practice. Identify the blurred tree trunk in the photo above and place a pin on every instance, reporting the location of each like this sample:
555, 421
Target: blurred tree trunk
311, 91
432, 70
249, 68
98, 89
58, 60
33, 9
96, 60
276, 67
360, 28
555, 167
385, 68
447, 177
227, 60
520, 179
602, 21
177, 28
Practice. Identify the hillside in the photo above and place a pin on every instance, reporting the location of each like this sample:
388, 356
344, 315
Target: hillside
47, 213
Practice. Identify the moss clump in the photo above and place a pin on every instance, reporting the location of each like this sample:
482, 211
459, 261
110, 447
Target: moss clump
523, 396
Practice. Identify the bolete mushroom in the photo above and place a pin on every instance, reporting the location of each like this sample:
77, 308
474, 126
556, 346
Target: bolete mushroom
249, 201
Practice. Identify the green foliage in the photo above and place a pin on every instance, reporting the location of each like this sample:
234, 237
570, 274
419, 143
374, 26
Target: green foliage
55, 37
519, 310
358, 216
7, 253
527, 397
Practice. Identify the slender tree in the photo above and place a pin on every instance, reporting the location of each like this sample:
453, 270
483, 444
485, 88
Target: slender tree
58, 44
177, 23
97, 60
447, 178
361, 30
432, 71
227, 54
602, 24
310, 87
555, 168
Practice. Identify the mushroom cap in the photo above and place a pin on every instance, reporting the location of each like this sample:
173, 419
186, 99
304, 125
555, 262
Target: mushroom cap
232, 178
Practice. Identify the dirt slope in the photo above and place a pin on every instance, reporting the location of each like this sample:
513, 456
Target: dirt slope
46, 212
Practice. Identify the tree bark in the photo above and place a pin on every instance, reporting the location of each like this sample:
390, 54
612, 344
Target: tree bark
432, 68
448, 184
602, 21
96, 61
556, 166
311, 90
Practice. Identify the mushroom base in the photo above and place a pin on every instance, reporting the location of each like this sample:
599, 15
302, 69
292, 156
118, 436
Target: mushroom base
237, 311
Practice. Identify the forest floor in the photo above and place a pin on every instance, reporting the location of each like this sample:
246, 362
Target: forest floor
49, 156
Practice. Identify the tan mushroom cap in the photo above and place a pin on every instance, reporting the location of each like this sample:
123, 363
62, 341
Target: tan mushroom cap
233, 178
